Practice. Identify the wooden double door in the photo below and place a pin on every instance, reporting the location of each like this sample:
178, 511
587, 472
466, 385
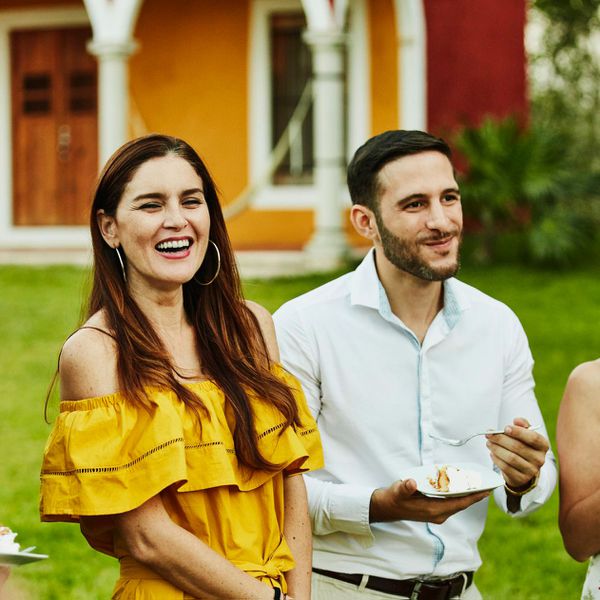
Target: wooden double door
54, 125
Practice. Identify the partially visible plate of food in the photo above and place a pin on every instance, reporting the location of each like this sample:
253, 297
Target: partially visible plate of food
10, 550
451, 480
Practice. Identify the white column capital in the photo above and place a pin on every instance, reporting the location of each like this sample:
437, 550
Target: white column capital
325, 15
327, 53
113, 19
325, 39
111, 49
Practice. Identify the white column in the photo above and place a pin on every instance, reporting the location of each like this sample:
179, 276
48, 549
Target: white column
412, 63
328, 245
113, 22
113, 94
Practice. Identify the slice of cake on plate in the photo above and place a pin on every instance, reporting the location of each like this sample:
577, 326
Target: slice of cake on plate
7, 541
449, 479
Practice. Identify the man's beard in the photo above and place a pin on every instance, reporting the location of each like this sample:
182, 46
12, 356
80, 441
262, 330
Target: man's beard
404, 255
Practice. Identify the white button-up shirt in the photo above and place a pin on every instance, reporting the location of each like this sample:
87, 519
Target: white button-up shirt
377, 393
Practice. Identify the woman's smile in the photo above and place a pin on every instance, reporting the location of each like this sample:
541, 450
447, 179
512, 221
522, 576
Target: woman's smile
175, 248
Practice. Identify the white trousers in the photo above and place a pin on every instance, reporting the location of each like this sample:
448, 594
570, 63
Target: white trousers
326, 588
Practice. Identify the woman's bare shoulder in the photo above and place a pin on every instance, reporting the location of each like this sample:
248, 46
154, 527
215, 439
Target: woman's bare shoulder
260, 312
583, 388
267, 328
88, 361
586, 377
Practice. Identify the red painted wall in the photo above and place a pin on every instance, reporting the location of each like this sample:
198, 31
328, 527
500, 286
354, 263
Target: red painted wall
475, 61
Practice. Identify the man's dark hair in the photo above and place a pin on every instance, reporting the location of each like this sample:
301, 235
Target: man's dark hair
374, 154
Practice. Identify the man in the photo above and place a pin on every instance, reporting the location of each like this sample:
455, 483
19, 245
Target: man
391, 353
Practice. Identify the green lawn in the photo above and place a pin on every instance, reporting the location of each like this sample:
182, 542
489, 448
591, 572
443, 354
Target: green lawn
40, 306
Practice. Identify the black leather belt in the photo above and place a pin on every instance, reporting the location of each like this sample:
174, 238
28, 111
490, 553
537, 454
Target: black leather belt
415, 589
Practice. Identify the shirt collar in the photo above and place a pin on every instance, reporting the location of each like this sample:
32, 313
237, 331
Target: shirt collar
366, 290
455, 302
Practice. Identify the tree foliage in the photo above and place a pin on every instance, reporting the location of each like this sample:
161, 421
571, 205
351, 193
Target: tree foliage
565, 72
572, 19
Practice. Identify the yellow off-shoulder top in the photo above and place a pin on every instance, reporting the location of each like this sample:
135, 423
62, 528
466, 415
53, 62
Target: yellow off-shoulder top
107, 457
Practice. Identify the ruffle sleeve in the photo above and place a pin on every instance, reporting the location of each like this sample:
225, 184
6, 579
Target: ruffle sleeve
105, 456
307, 432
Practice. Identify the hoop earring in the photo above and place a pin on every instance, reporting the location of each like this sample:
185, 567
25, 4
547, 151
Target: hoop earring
121, 263
218, 266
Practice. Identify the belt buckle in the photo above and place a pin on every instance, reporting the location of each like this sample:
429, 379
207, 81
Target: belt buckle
416, 591
465, 584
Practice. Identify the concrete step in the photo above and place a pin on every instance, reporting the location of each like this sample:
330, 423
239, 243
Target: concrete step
255, 264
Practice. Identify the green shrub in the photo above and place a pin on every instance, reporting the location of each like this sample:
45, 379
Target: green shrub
527, 179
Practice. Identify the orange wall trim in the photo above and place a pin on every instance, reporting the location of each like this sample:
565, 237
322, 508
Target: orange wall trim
384, 65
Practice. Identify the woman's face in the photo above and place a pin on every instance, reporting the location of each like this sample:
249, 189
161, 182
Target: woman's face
161, 223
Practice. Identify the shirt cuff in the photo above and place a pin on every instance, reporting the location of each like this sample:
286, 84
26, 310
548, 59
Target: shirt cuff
535, 498
350, 510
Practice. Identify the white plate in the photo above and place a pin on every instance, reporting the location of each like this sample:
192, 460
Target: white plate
20, 558
489, 479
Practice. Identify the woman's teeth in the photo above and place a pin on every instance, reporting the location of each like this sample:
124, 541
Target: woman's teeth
173, 246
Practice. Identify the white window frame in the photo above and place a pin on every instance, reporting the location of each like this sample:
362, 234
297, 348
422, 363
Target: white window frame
21, 236
299, 197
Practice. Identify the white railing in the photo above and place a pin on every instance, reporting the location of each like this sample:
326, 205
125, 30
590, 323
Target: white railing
290, 140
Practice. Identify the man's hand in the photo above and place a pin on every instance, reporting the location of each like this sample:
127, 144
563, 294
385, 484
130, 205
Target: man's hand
402, 502
518, 453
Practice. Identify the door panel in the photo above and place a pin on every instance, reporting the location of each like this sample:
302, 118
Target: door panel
54, 85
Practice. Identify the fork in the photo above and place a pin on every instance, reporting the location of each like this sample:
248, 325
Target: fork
453, 442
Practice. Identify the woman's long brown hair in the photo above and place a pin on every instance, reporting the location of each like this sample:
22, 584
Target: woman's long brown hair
230, 344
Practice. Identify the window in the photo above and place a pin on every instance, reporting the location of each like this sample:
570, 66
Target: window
291, 68
273, 97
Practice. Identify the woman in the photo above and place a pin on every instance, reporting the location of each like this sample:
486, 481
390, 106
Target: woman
178, 436
578, 443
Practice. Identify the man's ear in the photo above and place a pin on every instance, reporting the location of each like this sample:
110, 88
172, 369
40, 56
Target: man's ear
108, 228
363, 220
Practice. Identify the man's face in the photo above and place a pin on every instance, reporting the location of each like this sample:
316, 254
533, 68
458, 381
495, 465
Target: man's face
419, 217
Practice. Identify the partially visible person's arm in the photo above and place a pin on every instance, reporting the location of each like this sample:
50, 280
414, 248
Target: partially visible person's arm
4, 574
578, 443
298, 536
178, 556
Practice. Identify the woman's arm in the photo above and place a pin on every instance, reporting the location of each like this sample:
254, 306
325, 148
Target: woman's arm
578, 443
180, 558
296, 527
297, 531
